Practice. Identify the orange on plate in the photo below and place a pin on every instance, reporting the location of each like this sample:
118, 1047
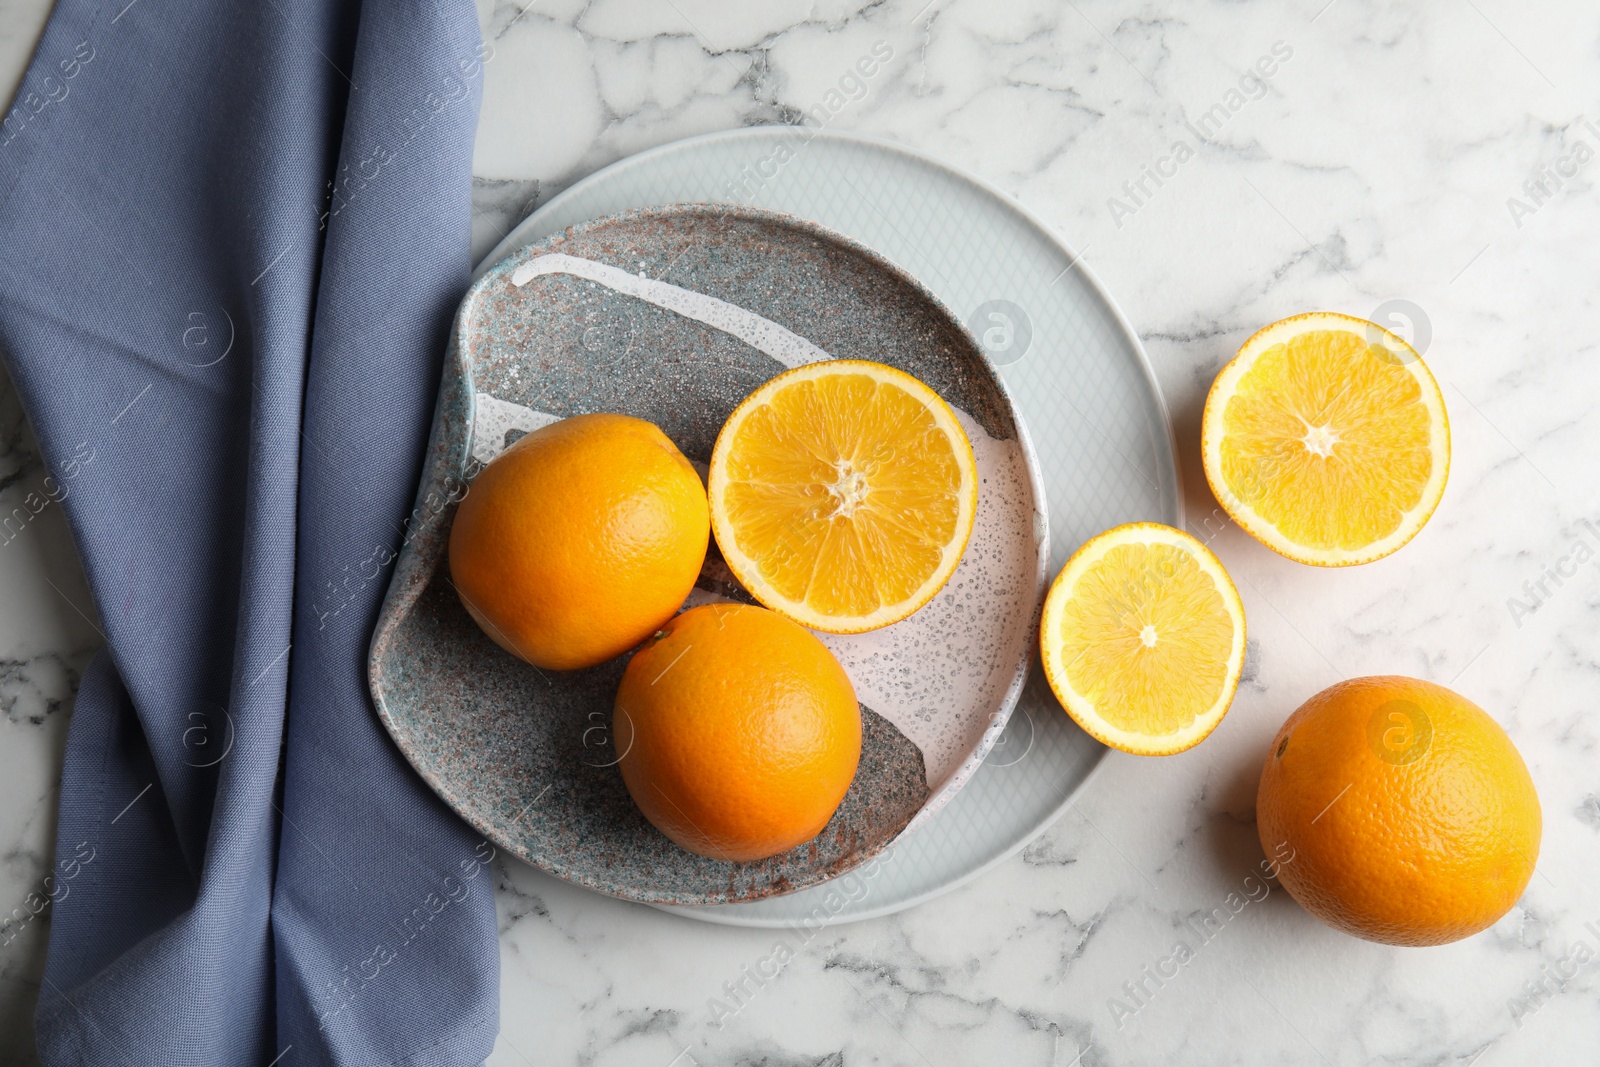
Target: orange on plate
739, 732
843, 493
580, 540
1326, 438
1142, 639
1408, 815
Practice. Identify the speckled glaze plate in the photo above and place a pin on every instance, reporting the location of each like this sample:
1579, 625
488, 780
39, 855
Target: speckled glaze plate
675, 314
1074, 366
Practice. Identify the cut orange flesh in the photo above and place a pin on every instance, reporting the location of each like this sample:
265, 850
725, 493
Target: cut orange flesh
842, 494
1143, 639
1326, 438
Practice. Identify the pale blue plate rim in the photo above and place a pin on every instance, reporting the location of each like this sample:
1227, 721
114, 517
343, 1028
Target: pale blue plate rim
727, 915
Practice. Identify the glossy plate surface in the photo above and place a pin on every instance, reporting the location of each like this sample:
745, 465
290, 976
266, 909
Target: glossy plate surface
1075, 367
675, 314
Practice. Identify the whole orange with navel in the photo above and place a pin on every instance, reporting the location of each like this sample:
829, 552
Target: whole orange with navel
1411, 817
738, 732
580, 540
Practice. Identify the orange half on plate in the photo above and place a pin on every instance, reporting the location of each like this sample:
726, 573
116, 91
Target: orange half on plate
1143, 639
1326, 438
843, 493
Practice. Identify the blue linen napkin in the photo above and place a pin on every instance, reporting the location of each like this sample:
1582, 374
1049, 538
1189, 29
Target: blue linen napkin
232, 237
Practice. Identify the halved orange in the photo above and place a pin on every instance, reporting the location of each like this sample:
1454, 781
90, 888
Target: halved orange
1326, 438
843, 493
1143, 639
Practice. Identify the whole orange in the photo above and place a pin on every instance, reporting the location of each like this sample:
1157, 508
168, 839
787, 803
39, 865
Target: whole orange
739, 732
580, 540
1405, 812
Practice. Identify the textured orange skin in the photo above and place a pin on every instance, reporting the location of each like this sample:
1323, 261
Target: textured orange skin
1413, 853
739, 732
580, 540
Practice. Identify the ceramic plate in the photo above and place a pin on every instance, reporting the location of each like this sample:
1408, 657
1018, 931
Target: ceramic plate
675, 314
1080, 378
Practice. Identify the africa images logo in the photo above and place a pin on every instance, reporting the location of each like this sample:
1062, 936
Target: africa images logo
1141, 189
1538, 591
1202, 929
1550, 178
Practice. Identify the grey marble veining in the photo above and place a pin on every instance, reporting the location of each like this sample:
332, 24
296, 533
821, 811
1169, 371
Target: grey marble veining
48, 631
1221, 165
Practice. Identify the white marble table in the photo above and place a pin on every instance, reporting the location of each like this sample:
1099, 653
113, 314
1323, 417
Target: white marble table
1395, 153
